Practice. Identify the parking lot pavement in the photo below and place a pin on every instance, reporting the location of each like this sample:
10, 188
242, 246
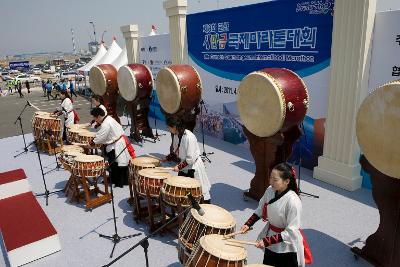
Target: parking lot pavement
11, 106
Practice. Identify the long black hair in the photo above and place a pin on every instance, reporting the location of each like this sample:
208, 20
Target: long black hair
66, 94
176, 122
288, 172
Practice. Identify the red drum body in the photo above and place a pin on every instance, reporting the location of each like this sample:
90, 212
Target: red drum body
178, 88
272, 100
103, 79
103, 82
150, 180
135, 81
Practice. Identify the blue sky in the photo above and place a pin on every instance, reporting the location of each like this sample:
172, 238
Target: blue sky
44, 25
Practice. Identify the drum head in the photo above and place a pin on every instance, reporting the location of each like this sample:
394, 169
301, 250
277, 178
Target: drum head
217, 246
140, 161
260, 104
168, 90
73, 153
154, 174
183, 182
378, 128
214, 216
78, 126
67, 148
97, 80
127, 83
88, 158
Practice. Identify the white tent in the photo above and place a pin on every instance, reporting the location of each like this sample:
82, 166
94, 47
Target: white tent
121, 60
112, 53
100, 54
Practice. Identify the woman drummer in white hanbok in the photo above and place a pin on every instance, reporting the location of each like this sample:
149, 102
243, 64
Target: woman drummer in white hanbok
187, 149
111, 134
66, 109
280, 208
97, 103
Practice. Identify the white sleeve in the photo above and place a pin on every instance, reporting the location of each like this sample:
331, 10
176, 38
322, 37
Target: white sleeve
293, 216
66, 106
102, 133
189, 144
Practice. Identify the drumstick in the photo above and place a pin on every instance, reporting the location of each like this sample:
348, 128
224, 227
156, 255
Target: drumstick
165, 168
236, 233
232, 234
241, 242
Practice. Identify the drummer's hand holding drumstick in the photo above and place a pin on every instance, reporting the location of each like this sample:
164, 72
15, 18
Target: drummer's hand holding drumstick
245, 228
175, 168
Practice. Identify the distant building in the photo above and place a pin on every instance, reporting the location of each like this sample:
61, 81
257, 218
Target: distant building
93, 47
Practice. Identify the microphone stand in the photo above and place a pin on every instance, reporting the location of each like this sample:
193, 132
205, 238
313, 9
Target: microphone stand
145, 243
204, 155
46, 193
19, 118
157, 136
300, 161
115, 238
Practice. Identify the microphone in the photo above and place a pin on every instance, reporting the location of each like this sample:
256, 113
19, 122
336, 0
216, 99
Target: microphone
31, 105
195, 205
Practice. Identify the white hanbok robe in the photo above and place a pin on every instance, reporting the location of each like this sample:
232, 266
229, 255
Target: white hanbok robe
189, 151
109, 131
284, 213
67, 110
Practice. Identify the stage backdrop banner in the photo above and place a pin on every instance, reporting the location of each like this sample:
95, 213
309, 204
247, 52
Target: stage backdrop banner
155, 53
226, 45
385, 61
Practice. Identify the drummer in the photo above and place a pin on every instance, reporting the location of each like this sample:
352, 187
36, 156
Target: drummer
97, 103
185, 146
111, 134
280, 208
67, 109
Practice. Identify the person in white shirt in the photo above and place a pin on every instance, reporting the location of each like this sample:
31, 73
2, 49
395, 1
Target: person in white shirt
185, 146
280, 208
97, 103
119, 150
67, 109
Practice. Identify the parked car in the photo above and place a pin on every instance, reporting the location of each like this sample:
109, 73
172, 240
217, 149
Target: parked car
69, 75
6, 78
36, 71
30, 78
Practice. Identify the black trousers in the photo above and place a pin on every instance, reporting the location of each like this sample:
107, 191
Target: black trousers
288, 259
189, 173
118, 174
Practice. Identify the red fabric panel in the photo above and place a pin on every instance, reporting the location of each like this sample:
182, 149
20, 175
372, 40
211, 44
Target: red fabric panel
12, 176
308, 258
23, 221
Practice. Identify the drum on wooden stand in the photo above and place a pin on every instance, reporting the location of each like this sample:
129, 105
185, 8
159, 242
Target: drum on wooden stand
272, 100
135, 83
73, 134
88, 166
103, 82
140, 163
215, 220
178, 87
151, 181
214, 251
50, 127
176, 188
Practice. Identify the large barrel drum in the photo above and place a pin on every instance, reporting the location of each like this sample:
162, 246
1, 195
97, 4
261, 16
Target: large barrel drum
378, 128
272, 100
178, 88
103, 79
135, 81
